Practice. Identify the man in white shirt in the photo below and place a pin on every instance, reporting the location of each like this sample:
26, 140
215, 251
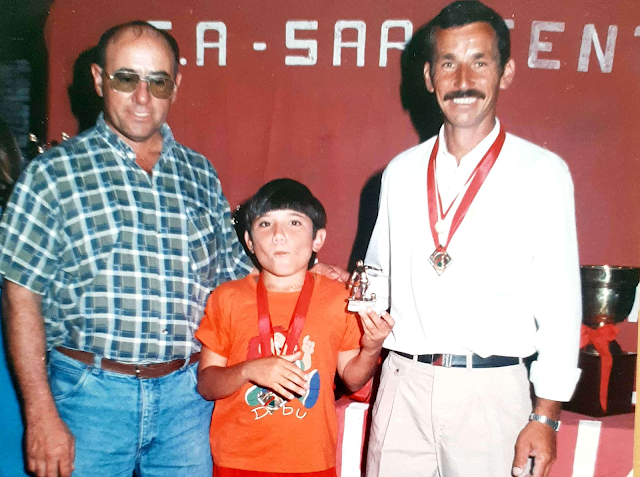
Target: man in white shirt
476, 229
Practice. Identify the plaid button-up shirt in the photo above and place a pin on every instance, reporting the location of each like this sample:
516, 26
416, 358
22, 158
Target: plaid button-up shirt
124, 261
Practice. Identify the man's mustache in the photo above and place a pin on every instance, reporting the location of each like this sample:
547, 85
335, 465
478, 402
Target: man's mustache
467, 93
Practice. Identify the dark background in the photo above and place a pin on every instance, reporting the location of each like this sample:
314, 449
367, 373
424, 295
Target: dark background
23, 67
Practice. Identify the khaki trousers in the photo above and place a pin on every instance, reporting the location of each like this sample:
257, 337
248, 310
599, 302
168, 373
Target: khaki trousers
431, 421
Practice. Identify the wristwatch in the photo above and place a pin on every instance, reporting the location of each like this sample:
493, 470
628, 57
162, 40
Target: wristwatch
555, 425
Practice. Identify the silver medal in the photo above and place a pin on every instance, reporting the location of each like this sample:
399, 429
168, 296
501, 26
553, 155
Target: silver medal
440, 260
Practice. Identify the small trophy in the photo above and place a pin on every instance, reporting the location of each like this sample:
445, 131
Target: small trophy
369, 288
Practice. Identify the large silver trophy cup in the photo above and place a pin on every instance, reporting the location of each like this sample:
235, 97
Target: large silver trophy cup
608, 294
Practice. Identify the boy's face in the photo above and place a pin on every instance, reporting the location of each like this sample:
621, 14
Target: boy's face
283, 242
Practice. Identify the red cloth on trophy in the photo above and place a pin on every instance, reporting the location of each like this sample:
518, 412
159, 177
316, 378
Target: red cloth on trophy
600, 338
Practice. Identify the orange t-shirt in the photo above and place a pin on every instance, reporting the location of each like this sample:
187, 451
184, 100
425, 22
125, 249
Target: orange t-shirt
301, 436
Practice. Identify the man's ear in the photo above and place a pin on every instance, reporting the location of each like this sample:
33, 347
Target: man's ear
427, 77
318, 241
96, 72
247, 240
178, 80
508, 73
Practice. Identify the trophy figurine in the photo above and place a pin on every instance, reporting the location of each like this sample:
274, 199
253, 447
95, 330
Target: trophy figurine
369, 288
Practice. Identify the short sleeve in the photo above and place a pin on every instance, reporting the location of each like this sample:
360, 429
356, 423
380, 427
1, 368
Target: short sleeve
214, 330
29, 232
353, 332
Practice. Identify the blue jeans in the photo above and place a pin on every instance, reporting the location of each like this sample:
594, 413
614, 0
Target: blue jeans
157, 427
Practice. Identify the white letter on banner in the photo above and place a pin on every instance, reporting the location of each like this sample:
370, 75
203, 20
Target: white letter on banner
160, 24
221, 44
294, 44
605, 59
338, 44
385, 44
536, 45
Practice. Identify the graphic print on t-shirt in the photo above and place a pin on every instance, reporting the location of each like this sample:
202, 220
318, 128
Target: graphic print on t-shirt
264, 402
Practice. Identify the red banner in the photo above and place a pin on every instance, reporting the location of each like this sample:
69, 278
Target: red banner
311, 90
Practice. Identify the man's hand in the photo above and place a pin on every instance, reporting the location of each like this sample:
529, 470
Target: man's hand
278, 373
376, 328
536, 440
50, 446
331, 271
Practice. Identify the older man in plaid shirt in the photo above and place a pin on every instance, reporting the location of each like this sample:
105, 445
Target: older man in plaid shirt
111, 244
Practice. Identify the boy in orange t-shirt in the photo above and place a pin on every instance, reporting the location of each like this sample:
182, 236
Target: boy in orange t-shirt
272, 345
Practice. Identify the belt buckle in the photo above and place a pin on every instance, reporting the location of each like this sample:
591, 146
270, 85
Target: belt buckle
445, 360
439, 360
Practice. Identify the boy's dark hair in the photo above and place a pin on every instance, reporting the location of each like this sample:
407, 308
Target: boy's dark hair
139, 27
462, 13
281, 194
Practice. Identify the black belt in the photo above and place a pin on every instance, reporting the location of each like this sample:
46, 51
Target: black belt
460, 361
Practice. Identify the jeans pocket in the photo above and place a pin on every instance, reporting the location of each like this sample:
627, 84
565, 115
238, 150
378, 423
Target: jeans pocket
65, 380
192, 371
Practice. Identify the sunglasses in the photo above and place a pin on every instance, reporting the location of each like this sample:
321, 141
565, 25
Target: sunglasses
160, 86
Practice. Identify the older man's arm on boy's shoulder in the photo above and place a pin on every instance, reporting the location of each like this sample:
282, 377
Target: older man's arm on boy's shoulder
278, 373
357, 366
331, 271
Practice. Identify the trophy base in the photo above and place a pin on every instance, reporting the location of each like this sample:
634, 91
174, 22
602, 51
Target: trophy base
586, 398
376, 305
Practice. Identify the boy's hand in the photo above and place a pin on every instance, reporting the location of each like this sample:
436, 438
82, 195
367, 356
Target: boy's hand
376, 329
280, 374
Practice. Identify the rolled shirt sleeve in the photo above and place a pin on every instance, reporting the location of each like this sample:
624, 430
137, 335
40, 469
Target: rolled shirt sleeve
555, 288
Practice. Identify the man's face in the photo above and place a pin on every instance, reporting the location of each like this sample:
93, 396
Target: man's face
137, 116
466, 75
283, 241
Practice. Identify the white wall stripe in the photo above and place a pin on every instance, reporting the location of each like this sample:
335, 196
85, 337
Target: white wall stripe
584, 460
352, 439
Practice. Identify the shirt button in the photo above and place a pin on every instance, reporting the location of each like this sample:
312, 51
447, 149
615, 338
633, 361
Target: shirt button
164, 332
396, 371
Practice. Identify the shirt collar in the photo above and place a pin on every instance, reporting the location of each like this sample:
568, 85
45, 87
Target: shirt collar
125, 150
473, 157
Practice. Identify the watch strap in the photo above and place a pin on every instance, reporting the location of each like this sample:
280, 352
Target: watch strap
555, 425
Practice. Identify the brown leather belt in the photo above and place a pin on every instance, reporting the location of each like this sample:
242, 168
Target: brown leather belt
142, 371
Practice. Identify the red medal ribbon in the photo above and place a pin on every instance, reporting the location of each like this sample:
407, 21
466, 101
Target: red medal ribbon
479, 175
600, 338
265, 328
